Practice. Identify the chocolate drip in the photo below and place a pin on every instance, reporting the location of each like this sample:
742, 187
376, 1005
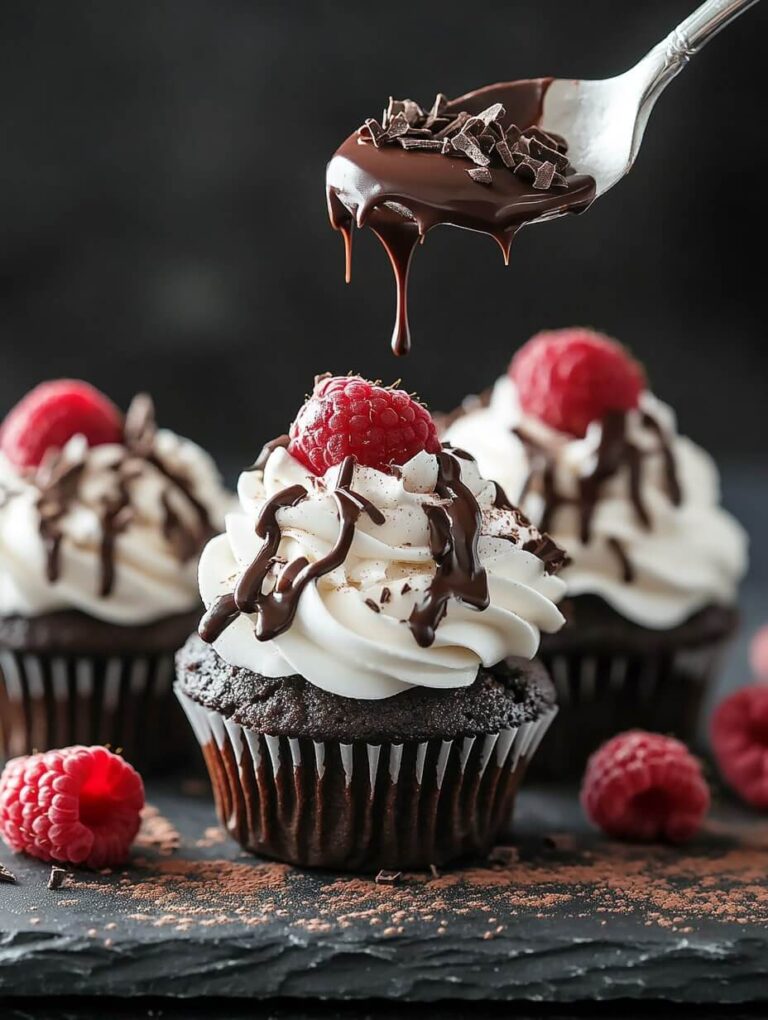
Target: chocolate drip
402, 194
454, 530
627, 570
671, 479
115, 518
59, 483
281, 442
614, 452
276, 610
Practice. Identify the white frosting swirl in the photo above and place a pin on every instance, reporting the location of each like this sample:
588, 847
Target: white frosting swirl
152, 579
691, 556
337, 641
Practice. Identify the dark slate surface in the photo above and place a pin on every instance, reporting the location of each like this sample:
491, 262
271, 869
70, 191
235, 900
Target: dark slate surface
568, 917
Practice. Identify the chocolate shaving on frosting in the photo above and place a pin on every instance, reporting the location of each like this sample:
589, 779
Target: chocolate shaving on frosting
534, 155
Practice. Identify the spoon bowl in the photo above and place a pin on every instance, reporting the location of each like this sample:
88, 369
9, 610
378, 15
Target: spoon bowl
604, 121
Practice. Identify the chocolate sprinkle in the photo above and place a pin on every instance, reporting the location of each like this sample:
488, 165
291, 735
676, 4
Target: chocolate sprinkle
388, 877
56, 878
386, 595
481, 174
536, 156
372, 605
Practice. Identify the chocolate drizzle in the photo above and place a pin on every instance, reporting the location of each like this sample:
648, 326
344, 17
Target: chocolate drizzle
275, 610
59, 482
402, 193
615, 451
454, 530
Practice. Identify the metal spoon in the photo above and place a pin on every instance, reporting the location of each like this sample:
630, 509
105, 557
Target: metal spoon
604, 121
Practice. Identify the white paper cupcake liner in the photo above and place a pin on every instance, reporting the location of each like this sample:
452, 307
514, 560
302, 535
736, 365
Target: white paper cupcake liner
49, 701
601, 695
361, 805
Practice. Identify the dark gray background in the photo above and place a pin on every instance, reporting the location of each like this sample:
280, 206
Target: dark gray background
163, 224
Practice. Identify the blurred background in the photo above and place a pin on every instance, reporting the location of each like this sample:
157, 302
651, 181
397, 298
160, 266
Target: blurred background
163, 222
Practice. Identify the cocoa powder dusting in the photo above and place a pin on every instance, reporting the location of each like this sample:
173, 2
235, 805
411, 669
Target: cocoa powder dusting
721, 877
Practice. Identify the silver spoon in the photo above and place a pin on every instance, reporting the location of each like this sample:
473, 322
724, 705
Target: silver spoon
604, 121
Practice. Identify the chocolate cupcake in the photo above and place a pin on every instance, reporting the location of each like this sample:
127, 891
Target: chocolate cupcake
362, 686
102, 519
595, 459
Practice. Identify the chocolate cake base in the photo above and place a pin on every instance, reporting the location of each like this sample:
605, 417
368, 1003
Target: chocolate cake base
66, 678
613, 675
307, 777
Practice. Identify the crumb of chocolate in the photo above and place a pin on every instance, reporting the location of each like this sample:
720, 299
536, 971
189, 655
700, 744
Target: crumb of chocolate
56, 877
385, 877
534, 155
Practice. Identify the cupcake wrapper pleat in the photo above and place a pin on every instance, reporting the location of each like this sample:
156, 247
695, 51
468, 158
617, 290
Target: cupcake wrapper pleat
602, 695
49, 701
363, 806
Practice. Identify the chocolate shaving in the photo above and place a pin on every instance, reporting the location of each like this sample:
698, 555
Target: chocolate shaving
388, 877
56, 878
534, 155
480, 174
386, 596
372, 605
6, 875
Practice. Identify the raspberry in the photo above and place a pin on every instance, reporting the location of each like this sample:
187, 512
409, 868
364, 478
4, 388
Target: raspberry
571, 377
739, 734
51, 414
645, 786
78, 805
349, 415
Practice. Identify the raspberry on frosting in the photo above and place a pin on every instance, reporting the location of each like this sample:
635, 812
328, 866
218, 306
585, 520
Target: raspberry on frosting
51, 414
571, 377
645, 786
348, 415
77, 805
740, 741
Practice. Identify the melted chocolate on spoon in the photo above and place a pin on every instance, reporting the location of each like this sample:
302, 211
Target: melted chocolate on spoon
402, 193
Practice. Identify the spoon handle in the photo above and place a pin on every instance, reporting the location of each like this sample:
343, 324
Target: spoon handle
670, 56
704, 23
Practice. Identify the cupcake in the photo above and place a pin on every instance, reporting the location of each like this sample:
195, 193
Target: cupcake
596, 461
362, 682
102, 519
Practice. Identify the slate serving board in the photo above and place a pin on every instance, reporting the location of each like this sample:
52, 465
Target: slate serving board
563, 915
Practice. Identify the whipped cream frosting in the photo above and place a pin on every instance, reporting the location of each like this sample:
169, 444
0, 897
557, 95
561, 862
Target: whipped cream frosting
350, 634
108, 530
656, 563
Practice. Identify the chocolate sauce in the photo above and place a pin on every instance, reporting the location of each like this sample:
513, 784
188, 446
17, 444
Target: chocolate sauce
276, 610
614, 452
454, 531
281, 442
403, 194
59, 484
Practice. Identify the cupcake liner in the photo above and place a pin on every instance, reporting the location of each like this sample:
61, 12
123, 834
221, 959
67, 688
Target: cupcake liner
125, 701
603, 694
363, 806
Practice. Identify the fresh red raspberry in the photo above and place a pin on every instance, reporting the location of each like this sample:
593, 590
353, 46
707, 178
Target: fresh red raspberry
51, 414
78, 805
645, 786
571, 377
349, 415
739, 734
